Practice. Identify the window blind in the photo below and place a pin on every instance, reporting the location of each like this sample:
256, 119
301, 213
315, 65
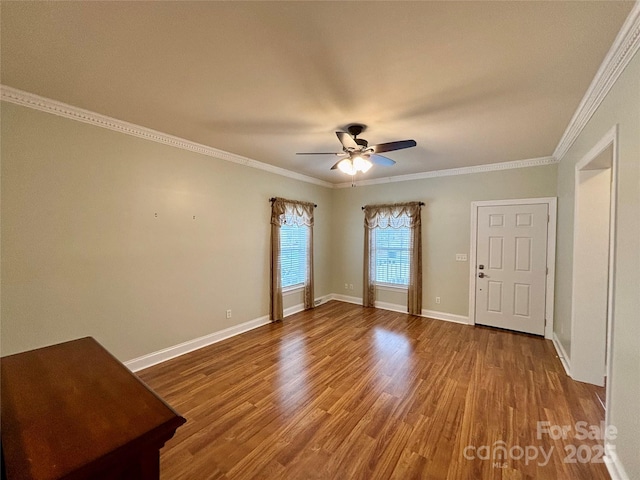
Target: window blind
392, 255
293, 261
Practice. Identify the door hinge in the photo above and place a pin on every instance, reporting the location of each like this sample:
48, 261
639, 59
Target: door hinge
547, 270
548, 218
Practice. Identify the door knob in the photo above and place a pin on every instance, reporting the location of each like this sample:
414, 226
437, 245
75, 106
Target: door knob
481, 275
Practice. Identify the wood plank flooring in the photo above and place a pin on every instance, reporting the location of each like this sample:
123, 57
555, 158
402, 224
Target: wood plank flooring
346, 392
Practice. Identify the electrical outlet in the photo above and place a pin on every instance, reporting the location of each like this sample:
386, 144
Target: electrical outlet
228, 313
351, 286
461, 257
438, 300
346, 286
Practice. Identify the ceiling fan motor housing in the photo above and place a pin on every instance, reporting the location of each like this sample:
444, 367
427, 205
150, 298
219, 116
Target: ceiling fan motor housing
356, 129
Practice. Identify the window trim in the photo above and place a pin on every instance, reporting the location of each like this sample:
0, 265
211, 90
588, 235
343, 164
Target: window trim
298, 287
391, 287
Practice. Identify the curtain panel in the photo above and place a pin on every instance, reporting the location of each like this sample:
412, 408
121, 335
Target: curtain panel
394, 216
289, 212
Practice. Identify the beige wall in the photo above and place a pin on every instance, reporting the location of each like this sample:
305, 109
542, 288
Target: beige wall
446, 220
83, 253
622, 107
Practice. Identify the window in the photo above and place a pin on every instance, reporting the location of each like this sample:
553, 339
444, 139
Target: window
393, 252
293, 260
392, 255
291, 253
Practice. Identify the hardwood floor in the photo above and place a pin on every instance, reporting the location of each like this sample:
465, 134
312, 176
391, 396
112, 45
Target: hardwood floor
346, 392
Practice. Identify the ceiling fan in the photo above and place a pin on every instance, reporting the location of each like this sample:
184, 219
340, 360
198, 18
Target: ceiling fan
359, 154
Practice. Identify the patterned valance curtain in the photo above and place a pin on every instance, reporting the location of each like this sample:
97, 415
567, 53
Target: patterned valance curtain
289, 212
394, 216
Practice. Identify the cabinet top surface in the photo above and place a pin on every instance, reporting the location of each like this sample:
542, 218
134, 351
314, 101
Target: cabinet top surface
67, 406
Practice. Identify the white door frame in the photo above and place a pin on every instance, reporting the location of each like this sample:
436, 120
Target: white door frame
552, 203
610, 139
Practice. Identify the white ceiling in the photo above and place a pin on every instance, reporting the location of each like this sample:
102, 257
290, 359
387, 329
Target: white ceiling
472, 82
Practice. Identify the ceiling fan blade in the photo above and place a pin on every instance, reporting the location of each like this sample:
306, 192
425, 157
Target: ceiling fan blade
318, 153
389, 147
380, 160
347, 140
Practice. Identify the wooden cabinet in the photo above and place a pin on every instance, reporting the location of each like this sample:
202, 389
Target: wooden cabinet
72, 411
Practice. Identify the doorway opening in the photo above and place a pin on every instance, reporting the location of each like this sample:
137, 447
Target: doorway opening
593, 262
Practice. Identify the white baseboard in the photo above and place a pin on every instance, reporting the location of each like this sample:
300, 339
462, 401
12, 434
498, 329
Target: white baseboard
612, 461
345, 298
300, 307
562, 354
447, 317
165, 354
322, 300
292, 310
394, 307
154, 358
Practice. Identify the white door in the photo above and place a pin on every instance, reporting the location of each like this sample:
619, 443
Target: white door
511, 267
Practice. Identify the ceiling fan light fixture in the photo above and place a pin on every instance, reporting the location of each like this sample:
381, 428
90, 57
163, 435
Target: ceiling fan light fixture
361, 164
359, 156
347, 166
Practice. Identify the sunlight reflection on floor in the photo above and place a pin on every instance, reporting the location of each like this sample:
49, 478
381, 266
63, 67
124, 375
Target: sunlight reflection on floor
394, 351
292, 370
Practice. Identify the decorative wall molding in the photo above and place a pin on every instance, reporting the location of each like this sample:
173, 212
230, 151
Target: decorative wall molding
490, 167
620, 54
43, 104
26, 99
562, 354
624, 47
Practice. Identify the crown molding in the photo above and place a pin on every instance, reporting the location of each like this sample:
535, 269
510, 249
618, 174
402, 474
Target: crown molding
491, 167
624, 47
26, 99
620, 54
36, 102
